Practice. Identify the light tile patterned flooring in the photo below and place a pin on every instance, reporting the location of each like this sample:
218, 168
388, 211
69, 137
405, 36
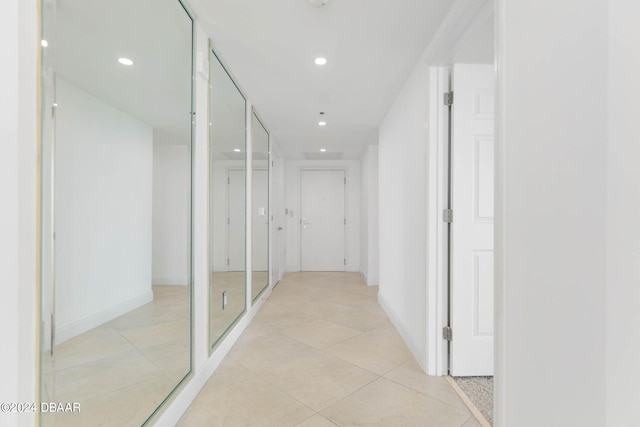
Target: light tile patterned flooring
130, 363
321, 352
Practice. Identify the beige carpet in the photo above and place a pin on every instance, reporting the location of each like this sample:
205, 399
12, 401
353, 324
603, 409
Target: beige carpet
480, 391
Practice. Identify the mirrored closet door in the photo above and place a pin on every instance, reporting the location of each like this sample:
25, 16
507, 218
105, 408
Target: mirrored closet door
227, 206
116, 207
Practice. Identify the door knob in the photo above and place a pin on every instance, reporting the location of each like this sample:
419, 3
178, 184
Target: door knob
279, 228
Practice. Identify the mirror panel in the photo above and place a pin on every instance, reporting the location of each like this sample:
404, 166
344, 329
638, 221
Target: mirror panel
260, 207
227, 206
116, 208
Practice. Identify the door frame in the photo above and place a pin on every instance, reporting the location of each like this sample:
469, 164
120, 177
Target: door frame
459, 26
344, 169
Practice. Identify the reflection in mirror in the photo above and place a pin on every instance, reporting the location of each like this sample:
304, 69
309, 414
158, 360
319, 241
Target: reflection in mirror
227, 151
116, 208
260, 207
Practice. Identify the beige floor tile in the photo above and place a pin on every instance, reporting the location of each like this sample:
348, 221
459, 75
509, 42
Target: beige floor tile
316, 421
361, 319
320, 333
290, 297
319, 380
89, 380
280, 316
385, 403
378, 351
471, 422
147, 315
352, 299
321, 308
411, 375
158, 334
126, 407
270, 351
250, 402
172, 357
98, 343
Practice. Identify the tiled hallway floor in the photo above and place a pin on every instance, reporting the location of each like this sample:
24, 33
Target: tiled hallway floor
321, 352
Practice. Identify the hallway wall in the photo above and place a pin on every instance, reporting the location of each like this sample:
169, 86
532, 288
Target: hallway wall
403, 211
623, 214
369, 215
18, 184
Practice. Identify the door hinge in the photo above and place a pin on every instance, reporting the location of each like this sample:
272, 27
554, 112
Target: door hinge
345, 221
345, 261
447, 333
345, 181
228, 261
447, 215
228, 180
53, 110
448, 98
228, 221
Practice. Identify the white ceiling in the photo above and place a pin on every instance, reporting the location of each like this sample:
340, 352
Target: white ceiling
371, 47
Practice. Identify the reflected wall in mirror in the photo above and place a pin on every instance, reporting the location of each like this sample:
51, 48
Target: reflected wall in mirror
116, 207
260, 208
227, 172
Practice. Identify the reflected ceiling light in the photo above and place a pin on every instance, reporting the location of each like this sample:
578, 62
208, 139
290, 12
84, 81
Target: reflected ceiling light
44, 43
322, 123
322, 150
320, 61
125, 61
237, 150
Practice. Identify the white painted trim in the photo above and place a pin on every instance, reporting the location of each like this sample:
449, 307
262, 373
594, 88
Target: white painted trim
173, 280
500, 392
418, 353
80, 326
437, 256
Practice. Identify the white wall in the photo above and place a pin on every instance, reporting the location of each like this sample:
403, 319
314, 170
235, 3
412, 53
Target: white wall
623, 214
103, 190
171, 208
402, 205
369, 215
550, 213
18, 172
352, 168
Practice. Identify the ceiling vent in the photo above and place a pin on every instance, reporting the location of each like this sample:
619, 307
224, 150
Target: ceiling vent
318, 3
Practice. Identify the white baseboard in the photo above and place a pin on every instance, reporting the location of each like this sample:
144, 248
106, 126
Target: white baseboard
418, 353
170, 280
75, 328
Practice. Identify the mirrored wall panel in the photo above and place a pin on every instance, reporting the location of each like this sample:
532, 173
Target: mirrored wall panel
227, 175
116, 208
260, 208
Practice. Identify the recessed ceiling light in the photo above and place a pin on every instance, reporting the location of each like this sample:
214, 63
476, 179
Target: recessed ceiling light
320, 61
322, 123
44, 43
237, 150
322, 150
125, 61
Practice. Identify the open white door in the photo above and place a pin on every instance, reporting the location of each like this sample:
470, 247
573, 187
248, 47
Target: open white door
472, 170
322, 220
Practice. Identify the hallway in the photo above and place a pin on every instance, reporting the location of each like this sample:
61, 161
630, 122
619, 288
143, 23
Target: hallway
321, 352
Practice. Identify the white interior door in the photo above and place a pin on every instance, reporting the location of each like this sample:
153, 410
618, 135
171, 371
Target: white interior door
472, 180
322, 220
235, 220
